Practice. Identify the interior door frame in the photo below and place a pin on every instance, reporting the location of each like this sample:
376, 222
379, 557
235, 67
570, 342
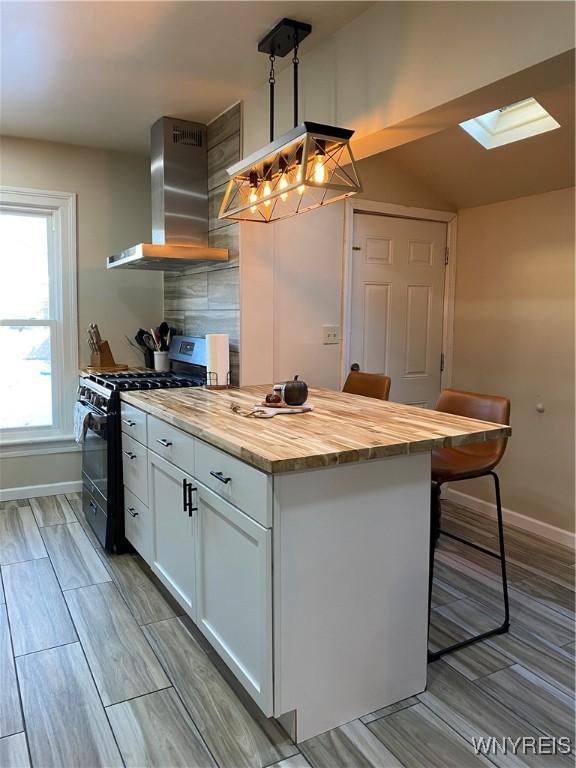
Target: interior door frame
450, 218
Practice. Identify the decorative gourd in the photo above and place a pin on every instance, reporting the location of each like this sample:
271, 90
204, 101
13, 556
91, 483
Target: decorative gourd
295, 392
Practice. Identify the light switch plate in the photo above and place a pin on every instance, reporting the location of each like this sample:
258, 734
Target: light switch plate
330, 334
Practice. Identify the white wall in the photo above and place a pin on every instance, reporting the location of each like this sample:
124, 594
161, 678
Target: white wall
291, 281
514, 336
113, 212
400, 59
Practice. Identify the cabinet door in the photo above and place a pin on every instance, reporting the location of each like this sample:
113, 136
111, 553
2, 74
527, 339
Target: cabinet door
173, 540
234, 592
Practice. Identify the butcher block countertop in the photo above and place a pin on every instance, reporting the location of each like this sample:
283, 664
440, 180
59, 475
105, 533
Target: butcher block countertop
342, 428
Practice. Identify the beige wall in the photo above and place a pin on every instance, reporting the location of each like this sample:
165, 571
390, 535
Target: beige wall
385, 180
514, 335
113, 212
400, 59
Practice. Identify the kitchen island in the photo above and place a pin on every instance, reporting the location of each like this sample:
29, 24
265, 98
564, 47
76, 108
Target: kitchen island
298, 544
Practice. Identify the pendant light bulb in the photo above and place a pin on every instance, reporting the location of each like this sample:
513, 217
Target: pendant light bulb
319, 169
253, 196
283, 183
266, 192
301, 189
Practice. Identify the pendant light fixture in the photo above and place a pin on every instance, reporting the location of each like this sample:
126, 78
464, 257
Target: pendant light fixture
309, 166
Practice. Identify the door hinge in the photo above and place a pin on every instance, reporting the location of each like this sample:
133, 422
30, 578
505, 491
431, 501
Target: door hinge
441, 362
446, 255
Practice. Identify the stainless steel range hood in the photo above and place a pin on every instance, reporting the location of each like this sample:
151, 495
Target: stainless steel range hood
179, 170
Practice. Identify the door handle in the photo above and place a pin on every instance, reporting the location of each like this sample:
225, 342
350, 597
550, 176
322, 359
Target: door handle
129, 454
93, 507
220, 476
187, 501
164, 442
132, 512
185, 496
129, 422
191, 507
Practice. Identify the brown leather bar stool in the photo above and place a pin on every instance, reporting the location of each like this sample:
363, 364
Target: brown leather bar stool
367, 384
464, 463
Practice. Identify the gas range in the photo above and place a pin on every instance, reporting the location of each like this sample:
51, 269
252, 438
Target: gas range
102, 390
102, 495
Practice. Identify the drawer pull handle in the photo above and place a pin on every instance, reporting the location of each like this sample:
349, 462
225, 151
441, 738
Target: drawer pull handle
129, 422
132, 512
220, 476
164, 442
129, 454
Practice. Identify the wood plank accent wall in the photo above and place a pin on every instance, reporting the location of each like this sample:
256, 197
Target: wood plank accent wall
205, 298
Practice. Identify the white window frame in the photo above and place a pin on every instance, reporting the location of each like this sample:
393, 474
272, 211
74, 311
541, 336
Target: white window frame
61, 208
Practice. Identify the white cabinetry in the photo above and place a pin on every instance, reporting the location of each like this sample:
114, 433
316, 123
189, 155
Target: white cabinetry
172, 500
138, 525
234, 592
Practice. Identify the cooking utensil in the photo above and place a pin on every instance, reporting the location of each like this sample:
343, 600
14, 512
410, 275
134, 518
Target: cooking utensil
97, 334
155, 340
163, 331
149, 342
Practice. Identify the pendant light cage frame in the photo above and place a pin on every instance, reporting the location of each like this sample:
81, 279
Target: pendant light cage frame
310, 166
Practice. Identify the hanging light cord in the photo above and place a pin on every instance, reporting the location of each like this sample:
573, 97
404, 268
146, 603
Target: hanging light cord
272, 82
295, 62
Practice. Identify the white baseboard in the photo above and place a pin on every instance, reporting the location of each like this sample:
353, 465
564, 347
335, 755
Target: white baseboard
538, 527
30, 491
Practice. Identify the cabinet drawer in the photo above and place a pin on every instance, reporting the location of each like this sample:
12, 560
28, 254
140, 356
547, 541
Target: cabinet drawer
137, 525
171, 443
135, 467
247, 488
133, 422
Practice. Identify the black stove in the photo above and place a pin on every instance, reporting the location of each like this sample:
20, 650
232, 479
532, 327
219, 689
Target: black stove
102, 482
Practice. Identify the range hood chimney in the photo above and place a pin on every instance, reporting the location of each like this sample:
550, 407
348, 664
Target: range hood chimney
179, 170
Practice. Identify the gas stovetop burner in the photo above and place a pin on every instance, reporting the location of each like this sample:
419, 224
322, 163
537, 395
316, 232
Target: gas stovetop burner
142, 380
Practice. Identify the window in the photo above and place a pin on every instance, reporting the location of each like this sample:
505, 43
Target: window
38, 336
512, 123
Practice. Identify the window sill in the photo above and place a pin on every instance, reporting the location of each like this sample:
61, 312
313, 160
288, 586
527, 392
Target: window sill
39, 446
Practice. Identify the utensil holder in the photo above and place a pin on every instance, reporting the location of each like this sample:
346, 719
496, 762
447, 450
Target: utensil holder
161, 361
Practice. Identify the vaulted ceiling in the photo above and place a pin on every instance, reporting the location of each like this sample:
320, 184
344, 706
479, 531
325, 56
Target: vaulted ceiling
463, 172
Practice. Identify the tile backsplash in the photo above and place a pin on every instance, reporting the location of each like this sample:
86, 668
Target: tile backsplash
205, 298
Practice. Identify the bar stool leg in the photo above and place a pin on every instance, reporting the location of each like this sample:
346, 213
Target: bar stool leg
435, 526
506, 623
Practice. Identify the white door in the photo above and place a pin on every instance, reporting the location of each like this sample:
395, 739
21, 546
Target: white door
397, 303
171, 492
234, 583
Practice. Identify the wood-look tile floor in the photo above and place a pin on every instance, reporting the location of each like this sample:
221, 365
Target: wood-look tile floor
99, 667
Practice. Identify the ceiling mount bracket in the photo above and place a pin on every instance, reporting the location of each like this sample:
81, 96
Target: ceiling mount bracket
286, 35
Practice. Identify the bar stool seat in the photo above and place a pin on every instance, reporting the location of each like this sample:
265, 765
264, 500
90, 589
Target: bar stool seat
463, 463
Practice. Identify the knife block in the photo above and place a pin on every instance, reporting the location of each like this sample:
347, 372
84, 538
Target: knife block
104, 359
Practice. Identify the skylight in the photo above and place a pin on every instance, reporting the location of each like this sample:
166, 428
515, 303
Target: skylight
513, 123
